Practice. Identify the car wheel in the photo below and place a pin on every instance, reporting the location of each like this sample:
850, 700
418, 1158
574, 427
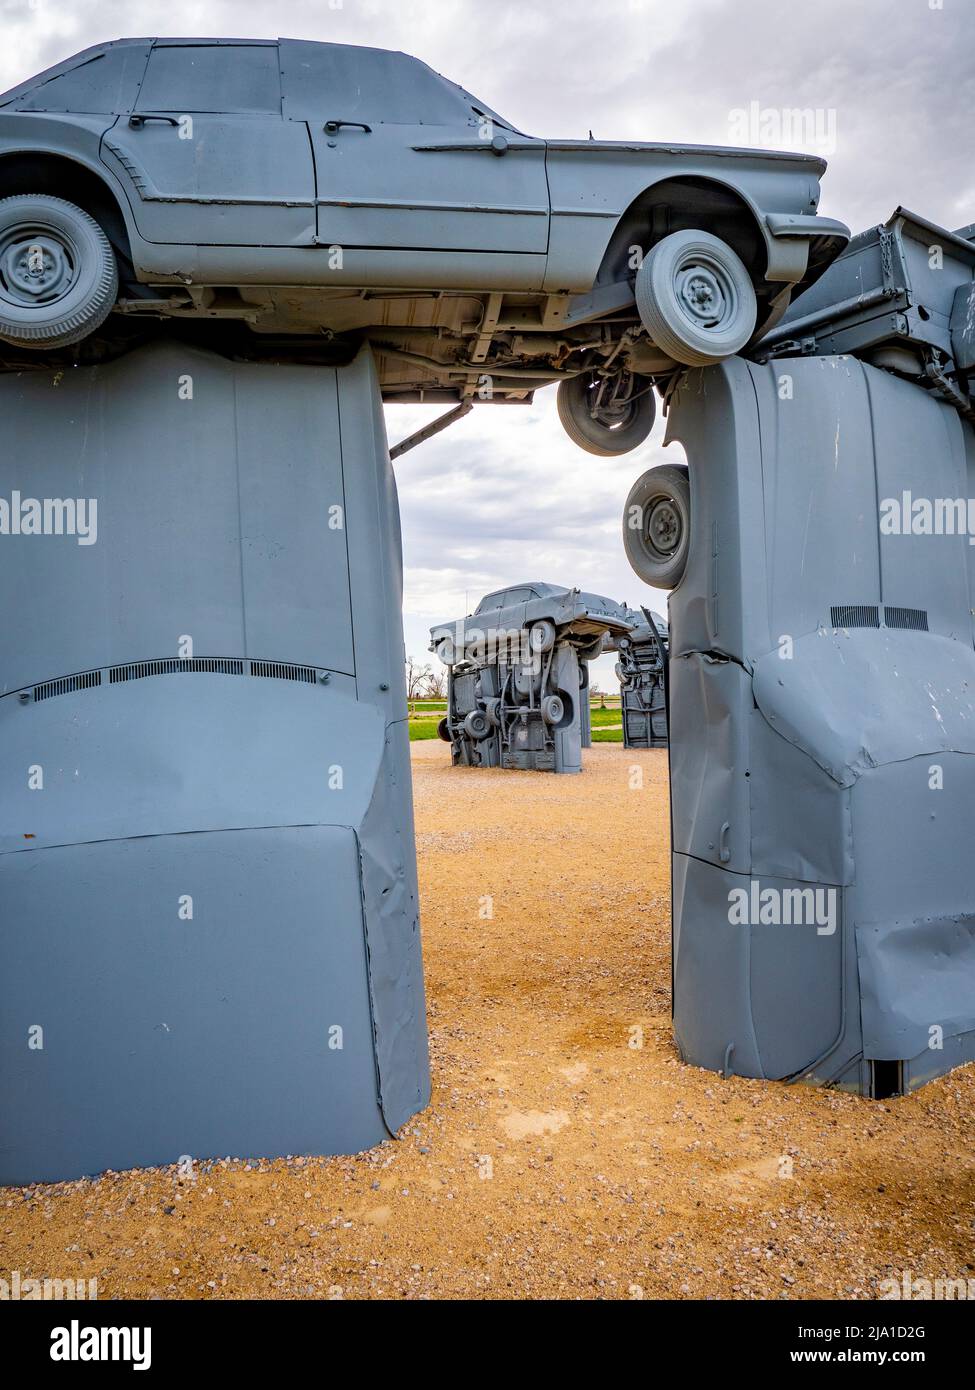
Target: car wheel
553, 709
695, 298
58, 276
606, 415
657, 525
541, 636
443, 731
476, 725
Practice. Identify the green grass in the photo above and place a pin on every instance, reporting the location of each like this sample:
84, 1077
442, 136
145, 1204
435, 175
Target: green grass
426, 715
422, 728
605, 716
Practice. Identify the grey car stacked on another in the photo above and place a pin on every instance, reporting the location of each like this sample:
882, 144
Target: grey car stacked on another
295, 199
518, 688
641, 668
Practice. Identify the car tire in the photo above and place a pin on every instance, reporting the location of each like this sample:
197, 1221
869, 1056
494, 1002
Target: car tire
657, 525
541, 636
695, 298
443, 731
476, 725
553, 709
58, 274
604, 437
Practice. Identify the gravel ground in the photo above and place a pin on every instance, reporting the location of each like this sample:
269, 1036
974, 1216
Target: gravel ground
567, 1152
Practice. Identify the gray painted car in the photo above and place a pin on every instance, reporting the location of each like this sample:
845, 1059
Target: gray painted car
257, 778
902, 296
641, 669
823, 914
518, 683
293, 199
504, 614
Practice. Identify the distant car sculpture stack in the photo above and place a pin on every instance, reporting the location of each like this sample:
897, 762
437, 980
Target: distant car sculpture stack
517, 693
499, 710
641, 669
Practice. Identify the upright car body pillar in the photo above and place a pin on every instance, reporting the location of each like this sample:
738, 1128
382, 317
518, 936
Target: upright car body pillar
822, 730
208, 904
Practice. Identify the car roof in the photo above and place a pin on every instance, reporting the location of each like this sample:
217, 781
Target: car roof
66, 64
541, 589
364, 52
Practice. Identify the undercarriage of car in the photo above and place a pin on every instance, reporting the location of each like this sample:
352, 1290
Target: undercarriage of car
431, 347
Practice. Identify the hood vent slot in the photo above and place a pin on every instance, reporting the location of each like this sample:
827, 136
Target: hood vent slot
173, 665
284, 672
914, 619
138, 670
868, 615
66, 684
856, 615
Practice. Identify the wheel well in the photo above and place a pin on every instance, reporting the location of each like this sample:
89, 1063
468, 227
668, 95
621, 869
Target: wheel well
64, 178
674, 205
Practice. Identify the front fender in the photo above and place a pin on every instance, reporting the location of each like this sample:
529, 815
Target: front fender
594, 184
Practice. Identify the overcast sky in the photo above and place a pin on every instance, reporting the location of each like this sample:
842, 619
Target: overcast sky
504, 496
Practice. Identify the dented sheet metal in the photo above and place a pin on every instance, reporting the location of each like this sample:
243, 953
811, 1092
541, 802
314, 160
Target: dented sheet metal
245, 932
822, 639
856, 699
917, 978
391, 917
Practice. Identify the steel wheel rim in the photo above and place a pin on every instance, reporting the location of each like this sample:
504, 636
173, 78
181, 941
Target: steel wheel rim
38, 267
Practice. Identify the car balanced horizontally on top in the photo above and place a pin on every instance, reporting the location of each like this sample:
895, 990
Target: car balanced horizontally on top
293, 200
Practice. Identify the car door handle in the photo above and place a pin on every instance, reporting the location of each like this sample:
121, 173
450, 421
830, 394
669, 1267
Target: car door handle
136, 122
330, 127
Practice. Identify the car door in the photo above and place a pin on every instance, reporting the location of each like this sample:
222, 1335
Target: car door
207, 154
404, 160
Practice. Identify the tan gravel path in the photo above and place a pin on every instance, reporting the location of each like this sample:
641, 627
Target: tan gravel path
557, 1158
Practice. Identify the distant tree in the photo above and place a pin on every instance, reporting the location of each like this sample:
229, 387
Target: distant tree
436, 685
416, 678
